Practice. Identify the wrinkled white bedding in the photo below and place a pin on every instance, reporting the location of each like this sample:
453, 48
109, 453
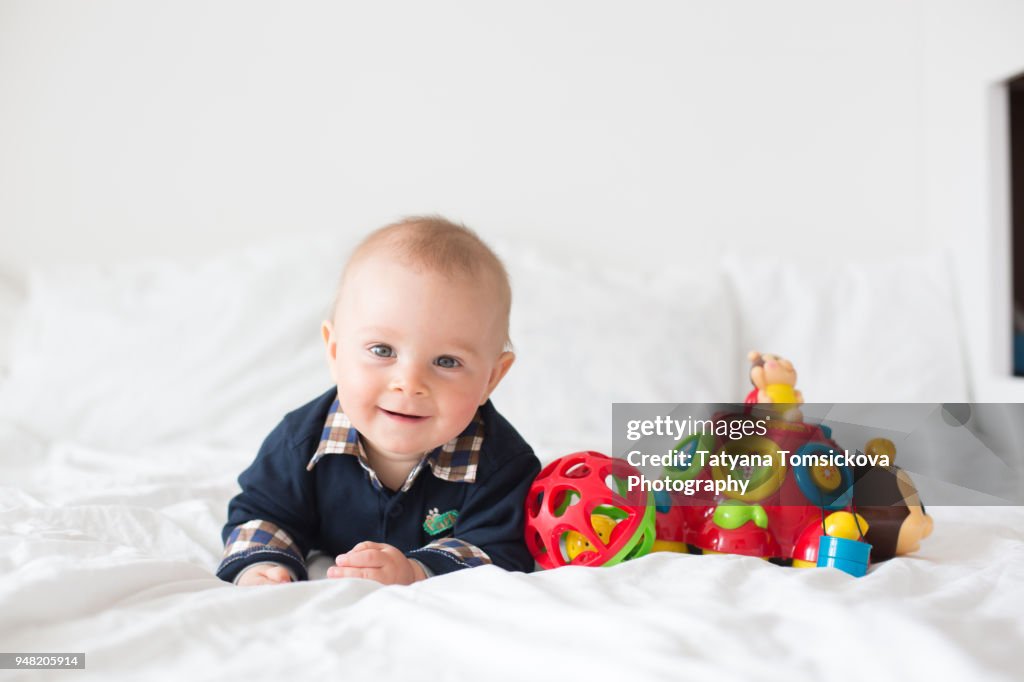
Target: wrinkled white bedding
112, 555
119, 453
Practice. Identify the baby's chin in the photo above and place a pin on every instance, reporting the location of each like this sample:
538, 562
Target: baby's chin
402, 450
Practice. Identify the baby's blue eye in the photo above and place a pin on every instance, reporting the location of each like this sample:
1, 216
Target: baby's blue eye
382, 350
447, 361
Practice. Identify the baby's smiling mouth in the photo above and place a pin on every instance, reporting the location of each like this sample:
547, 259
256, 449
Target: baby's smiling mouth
400, 416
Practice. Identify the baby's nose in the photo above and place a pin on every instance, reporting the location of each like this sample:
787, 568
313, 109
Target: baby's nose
408, 379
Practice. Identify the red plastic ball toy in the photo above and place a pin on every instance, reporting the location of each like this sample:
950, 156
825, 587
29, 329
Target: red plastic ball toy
580, 512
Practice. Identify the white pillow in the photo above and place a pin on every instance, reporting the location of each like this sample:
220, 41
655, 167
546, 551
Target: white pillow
12, 298
586, 337
128, 356
879, 332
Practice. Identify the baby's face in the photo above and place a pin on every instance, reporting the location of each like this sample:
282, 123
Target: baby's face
413, 354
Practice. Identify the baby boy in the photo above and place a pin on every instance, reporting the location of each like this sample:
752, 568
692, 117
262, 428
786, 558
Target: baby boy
404, 469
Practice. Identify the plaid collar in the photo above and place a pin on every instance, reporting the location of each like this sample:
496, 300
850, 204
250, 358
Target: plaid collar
455, 461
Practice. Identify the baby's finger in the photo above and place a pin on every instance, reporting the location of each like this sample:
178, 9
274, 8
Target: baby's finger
353, 572
368, 544
363, 558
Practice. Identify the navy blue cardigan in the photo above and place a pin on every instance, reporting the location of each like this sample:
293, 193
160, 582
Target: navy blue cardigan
334, 506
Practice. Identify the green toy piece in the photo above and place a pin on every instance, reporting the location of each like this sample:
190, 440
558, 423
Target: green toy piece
732, 514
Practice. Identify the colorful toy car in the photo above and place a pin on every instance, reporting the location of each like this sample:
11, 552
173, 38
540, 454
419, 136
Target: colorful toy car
798, 506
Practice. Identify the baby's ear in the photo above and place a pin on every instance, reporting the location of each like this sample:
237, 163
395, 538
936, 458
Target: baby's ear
330, 344
498, 372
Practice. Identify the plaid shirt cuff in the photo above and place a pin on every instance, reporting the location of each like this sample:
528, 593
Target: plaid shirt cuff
449, 554
257, 542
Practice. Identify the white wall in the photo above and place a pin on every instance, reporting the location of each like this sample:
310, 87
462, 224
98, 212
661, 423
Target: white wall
651, 130
618, 131
971, 48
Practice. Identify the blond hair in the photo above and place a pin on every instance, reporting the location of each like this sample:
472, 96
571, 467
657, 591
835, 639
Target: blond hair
438, 245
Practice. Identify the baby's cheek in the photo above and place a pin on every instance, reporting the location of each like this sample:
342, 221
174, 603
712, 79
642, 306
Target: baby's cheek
463, 405
353, 401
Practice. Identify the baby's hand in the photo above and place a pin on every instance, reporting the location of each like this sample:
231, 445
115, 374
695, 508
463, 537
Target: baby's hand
265, 575
377, 561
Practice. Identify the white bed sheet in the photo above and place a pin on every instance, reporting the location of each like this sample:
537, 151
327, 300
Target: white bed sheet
118, 456
112, 554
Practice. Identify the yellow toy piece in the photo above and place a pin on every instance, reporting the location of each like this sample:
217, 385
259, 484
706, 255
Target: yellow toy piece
577, 543
877, 447
841, 524
827, 478
781, 393
669, 546
763, 481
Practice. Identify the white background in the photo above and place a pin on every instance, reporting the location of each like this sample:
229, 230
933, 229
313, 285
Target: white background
650, 131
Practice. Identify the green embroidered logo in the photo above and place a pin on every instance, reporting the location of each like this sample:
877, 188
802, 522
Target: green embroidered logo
436, 523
